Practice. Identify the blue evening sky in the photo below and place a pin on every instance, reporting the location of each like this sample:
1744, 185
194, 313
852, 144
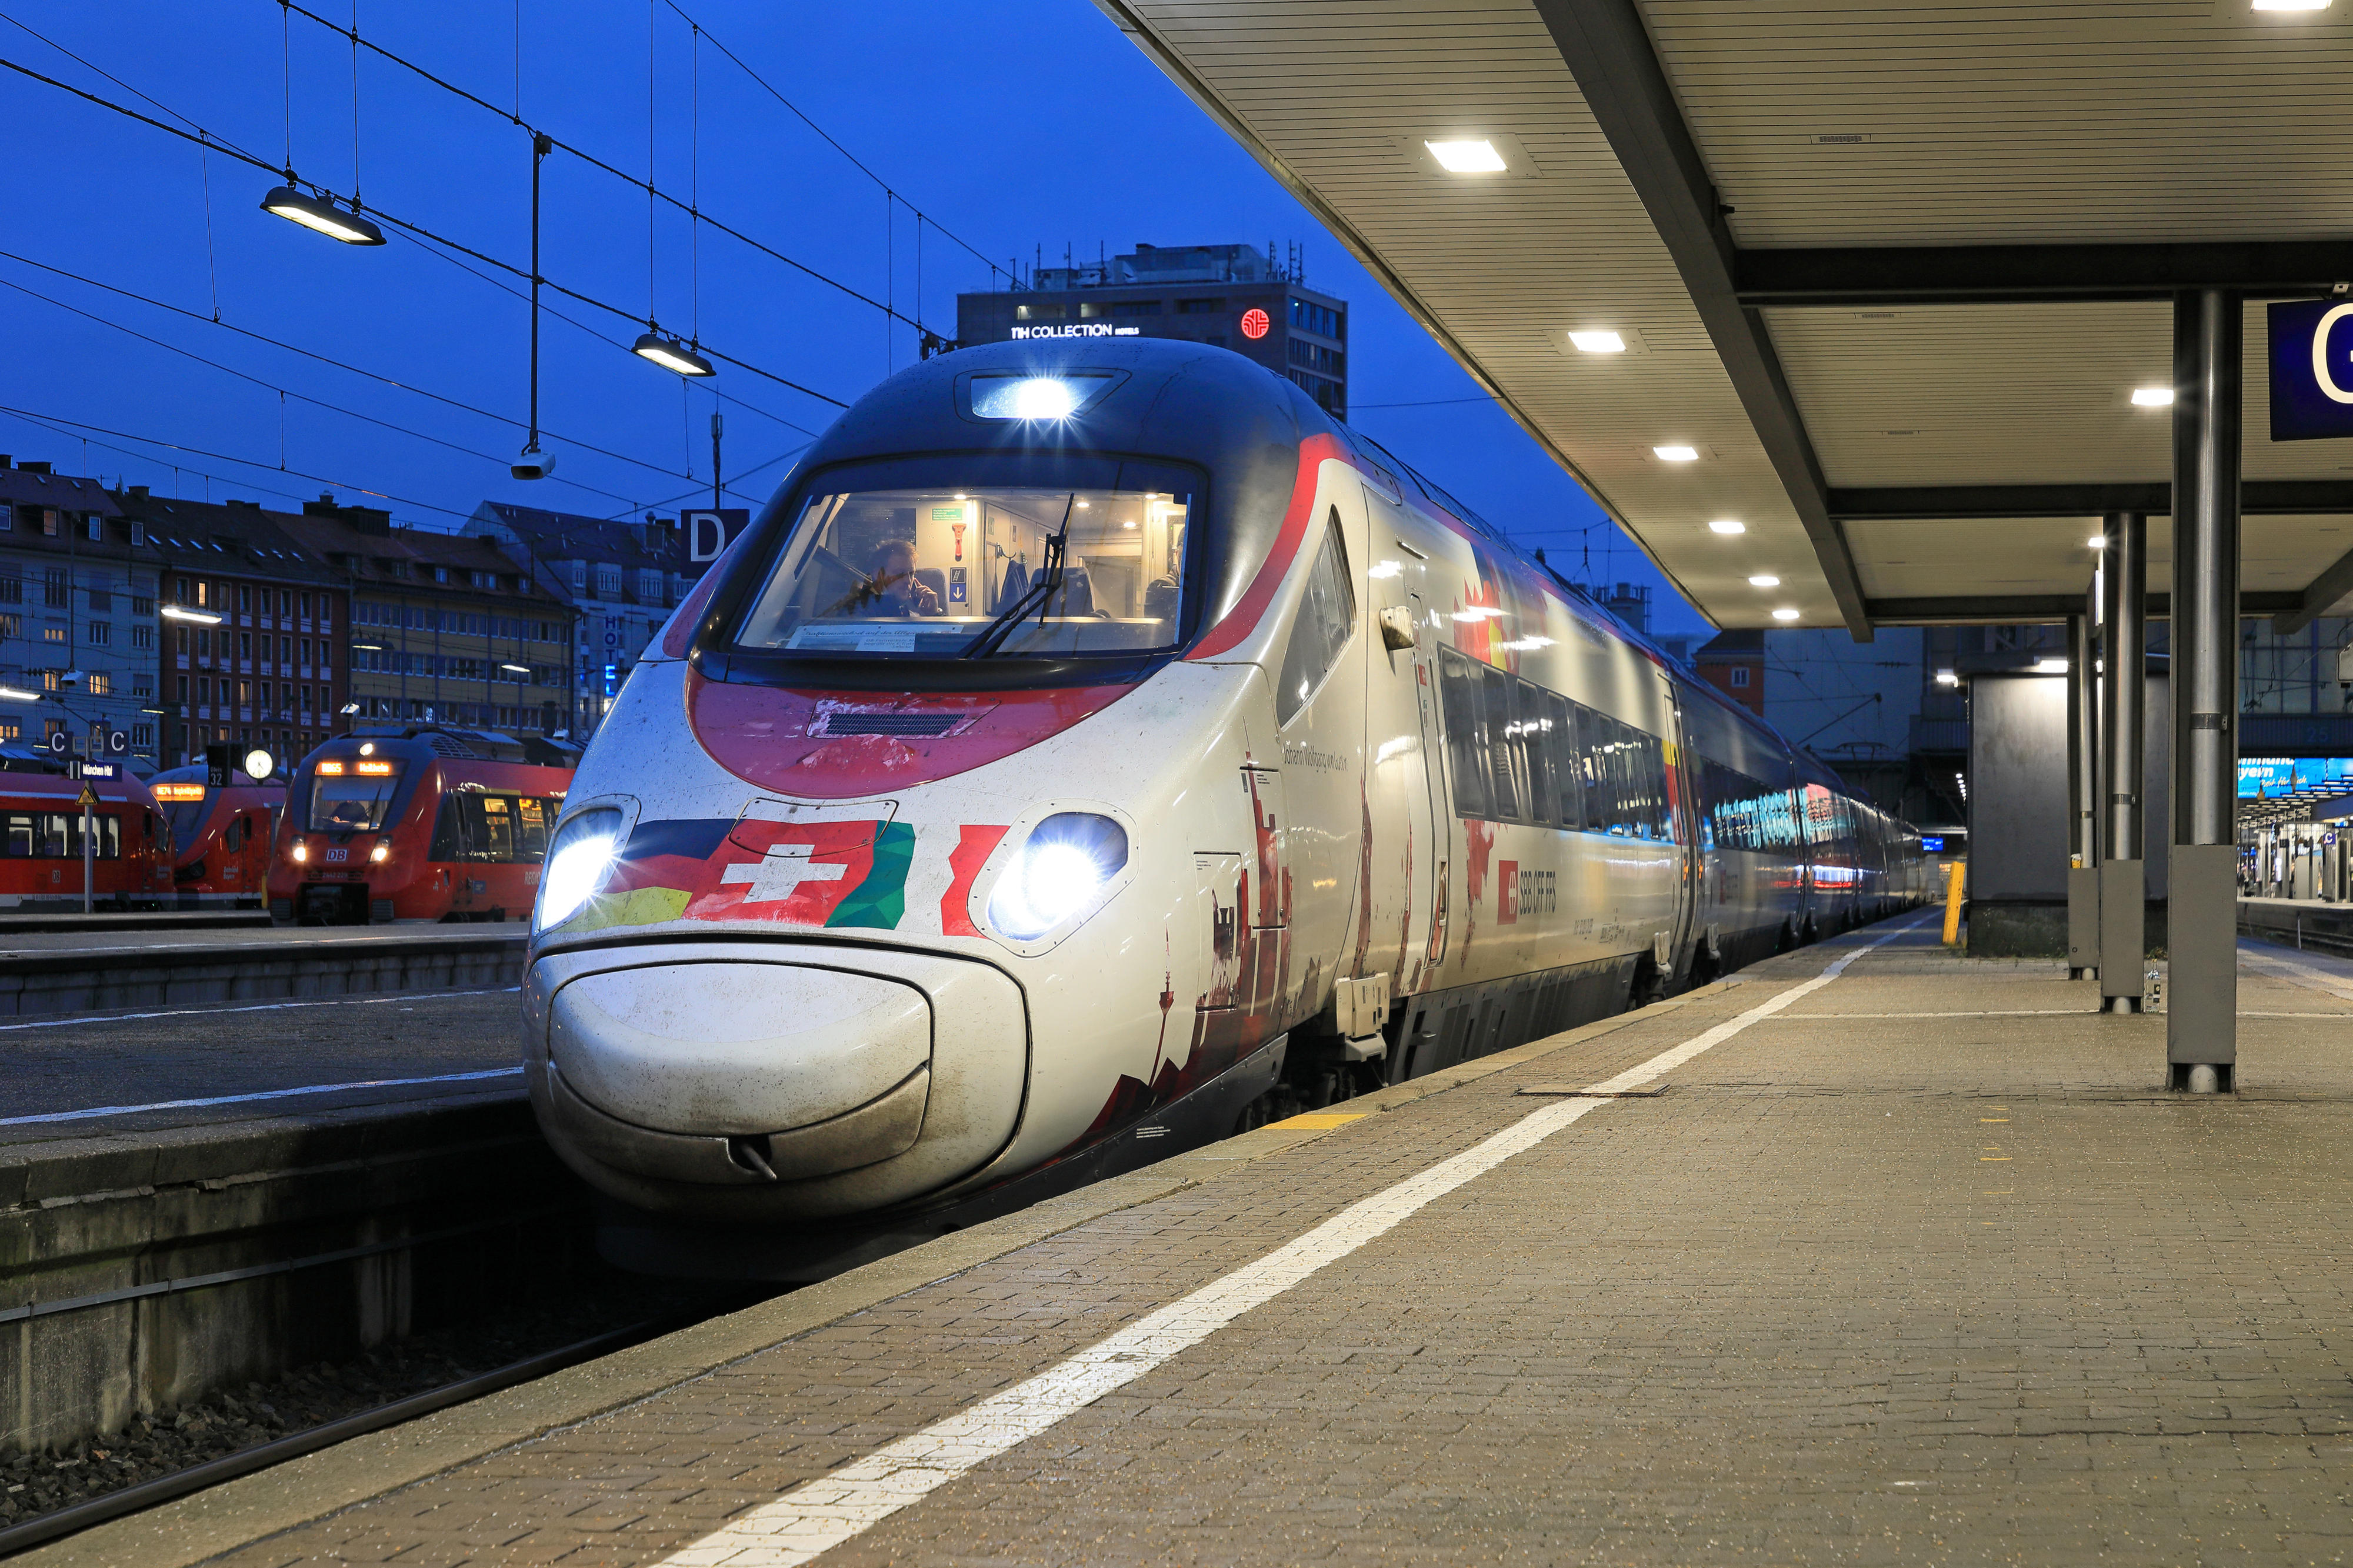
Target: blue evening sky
1010, 128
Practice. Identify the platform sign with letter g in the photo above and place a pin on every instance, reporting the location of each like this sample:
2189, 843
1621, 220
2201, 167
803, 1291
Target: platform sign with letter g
2312, 369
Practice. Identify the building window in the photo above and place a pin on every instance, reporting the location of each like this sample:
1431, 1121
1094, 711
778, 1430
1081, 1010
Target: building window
486, 580
141, 605
440, 574
138, 534
142, 734
1201, 306
649, 587
1135, 308
96, 529
55, 634
49, 522
8, 517
1038, 312
143, 684
243, 599
608, 582
12, 590
99, 632
1739, 674
100, 683
56, 588
1320, 318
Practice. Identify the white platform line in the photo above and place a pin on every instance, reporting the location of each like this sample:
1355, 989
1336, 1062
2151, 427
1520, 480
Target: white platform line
2296, 973
819, 1515
411, 997
257, 1094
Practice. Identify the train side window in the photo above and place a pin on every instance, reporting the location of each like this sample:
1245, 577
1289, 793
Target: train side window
1466, 751
530, 818
233, 840
1507, 774
494, 838
18, 844
1537, 726
1567, 766
1327, 618
50, 835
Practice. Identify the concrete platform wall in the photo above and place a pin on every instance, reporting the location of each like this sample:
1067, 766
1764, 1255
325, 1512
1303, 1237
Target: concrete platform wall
35, 982
140, 1271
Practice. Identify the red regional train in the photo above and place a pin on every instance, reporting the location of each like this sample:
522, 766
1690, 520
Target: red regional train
221, 838
429, 824
1093, 748
41, 844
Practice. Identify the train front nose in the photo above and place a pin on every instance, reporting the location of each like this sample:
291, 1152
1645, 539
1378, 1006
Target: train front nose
783, 1078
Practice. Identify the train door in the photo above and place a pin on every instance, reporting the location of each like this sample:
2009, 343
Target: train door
1405, 787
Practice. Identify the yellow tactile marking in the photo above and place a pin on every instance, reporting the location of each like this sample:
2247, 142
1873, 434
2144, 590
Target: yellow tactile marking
1319, 1120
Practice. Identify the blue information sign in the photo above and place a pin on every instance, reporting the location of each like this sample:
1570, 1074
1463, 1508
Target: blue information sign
1931, 844
2312, 369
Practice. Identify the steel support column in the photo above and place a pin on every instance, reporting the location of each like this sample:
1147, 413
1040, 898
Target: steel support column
2123, 764
2201, 1026
2083, 790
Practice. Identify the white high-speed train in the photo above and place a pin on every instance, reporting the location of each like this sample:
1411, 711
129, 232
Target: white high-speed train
1094, 748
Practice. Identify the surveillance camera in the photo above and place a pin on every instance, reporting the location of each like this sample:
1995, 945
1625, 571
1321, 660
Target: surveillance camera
534, 464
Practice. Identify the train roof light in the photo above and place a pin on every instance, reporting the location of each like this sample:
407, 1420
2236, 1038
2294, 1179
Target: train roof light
1024, 397
323, 216
670, 354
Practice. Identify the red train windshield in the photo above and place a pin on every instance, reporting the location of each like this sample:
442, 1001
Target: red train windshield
952, 569
184, 805
352, 796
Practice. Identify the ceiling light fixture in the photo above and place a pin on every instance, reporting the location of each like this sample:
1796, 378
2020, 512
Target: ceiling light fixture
1785, 613
2050, 666
180, 613
2097, 541
1467, 156
1676, 454
322, 214
1599, 342
669, 353
1727, 525
1948, 678
2291, 4
1765, 581
2152, 397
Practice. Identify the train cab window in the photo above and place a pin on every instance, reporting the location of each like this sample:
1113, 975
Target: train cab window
1095, 564
347, 800
233, 839
1327, 618
495, 816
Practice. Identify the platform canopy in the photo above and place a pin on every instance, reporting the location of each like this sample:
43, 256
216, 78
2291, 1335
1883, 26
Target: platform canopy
1894, 271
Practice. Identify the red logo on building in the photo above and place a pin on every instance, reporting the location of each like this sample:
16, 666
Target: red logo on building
1255, 323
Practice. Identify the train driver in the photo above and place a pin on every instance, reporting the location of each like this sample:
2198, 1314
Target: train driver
894, 589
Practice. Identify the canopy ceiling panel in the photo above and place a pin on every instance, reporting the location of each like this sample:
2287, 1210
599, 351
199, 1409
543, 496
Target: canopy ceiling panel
1660, 151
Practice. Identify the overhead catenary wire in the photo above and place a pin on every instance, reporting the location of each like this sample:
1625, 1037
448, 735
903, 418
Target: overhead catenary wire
655, 195
349, 368
78, 426
204, 138
284, 392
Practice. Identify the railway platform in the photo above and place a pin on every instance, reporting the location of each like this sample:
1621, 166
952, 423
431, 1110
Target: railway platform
1869, 1254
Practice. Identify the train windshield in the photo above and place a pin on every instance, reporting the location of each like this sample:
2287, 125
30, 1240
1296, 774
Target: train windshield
184, 807
352, 797
981, 571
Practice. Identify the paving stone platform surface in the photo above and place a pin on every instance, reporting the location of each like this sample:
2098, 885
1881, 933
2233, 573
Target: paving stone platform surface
1927, 1267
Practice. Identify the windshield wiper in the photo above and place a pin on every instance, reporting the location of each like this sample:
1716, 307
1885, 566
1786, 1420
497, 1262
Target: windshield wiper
1049, 578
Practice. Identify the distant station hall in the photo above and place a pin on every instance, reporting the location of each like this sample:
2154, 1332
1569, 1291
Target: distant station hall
1123, 977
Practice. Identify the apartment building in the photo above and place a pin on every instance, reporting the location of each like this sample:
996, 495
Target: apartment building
444, 628
621, 579
77, 626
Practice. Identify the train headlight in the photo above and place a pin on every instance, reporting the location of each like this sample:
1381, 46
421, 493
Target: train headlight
584, 851
380, 854
301, 852
1061, 869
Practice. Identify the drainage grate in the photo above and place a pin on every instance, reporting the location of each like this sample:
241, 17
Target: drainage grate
891, 724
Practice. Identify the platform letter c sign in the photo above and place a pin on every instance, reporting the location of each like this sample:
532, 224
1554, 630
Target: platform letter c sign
2311, 368
2327, 384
